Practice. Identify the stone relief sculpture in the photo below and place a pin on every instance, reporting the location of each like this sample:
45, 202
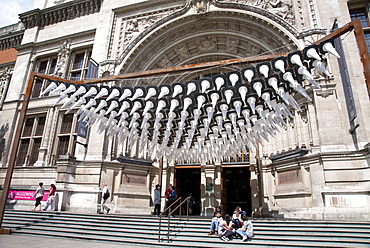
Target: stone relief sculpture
232, 45
164, 62
282, 8
63, 55
206, 44
183, 52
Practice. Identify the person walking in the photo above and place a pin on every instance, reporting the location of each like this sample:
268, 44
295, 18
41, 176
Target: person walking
39, 194
105, 196
51, 198
157, 200
167, 195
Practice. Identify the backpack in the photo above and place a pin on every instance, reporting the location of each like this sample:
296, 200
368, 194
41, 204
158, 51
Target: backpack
106, 195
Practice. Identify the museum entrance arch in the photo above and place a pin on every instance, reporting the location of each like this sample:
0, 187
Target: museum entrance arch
236, 188
188, 180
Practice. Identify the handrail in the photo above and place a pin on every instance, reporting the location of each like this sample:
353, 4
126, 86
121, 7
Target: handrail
169, 215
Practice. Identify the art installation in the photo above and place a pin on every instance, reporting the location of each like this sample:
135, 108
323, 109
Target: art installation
200, 120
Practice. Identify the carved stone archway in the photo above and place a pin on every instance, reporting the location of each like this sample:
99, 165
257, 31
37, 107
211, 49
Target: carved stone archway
215, 35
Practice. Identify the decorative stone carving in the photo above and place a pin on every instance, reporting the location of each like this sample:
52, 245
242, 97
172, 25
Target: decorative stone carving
63, 55
206, 44
5, 76
164, 62
232, 45
282, 8
66, 11
183, 52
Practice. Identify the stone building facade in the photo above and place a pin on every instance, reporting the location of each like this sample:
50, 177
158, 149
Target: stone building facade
317, 167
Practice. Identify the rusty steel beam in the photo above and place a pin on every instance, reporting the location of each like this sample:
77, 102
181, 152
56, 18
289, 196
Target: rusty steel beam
15, 144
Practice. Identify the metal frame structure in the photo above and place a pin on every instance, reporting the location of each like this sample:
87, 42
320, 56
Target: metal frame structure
353, 25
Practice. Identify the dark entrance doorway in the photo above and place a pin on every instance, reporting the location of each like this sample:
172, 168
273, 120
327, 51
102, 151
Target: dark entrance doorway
187, 180
236, 189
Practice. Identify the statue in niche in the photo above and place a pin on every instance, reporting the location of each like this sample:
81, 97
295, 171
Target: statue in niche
232, 45
207, 44
4, 80
63, 54
200, 6
183, 52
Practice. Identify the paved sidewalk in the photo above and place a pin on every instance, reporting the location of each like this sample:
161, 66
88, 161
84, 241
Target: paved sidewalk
26, 241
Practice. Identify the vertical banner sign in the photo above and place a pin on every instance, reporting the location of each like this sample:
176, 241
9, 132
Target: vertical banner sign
82, 129
346, 82
92, 69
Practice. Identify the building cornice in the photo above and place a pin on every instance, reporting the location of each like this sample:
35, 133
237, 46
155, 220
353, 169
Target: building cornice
58, 13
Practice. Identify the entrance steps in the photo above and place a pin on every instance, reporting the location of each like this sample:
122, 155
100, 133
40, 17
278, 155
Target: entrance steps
143, 230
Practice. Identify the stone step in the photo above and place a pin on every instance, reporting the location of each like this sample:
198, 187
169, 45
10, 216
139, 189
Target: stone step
183, 233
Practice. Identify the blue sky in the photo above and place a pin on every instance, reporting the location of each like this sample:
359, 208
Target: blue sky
11, 8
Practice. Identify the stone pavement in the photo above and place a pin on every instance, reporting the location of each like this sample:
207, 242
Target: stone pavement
25, 241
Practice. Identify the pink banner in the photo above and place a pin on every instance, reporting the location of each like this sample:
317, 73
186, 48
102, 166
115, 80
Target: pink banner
25, 195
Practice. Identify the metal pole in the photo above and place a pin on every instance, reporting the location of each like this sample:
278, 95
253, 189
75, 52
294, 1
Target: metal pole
14, 149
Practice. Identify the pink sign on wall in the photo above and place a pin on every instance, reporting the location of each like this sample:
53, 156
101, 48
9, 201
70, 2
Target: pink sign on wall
25, 195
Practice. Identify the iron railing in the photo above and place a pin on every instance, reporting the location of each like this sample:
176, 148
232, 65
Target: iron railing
169, 216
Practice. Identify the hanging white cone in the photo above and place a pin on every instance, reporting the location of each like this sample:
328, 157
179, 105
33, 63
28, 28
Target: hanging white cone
296, 59
280, 65
210, 111
177, 90
76, 104
249, 74
125, 105
81, 90
126, 93
234, 78
61, 87
148, 106
205, 85
191, 88
200, 101
312, 53
164, 92
135, 107
174, 104
71, 100
288, 76
257, 86
61, 98
320, 66
238, 106
51, 86
115, 92
273, 82
243, 90
101, 105
112, 106
228, 95
161, 105
151, 92
252, 103
267, 98
103, 92
224, 108
219, 81
264, 70
328, 47
138, 93
92, 92
187, 103
214, 98
307, 76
